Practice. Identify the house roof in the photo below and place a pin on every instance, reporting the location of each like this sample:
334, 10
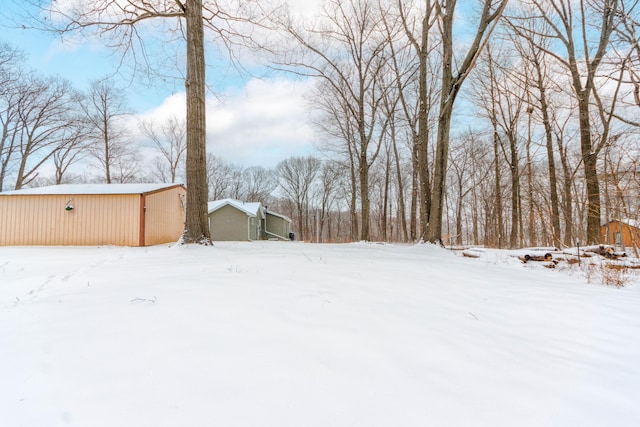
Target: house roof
77, 189
249, 208
627, 221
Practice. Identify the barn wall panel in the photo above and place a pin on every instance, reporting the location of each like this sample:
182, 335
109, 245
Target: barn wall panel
94, 220
164, 216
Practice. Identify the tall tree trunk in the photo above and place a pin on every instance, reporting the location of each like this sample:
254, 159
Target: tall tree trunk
423, 129
107, 152
197, 224
553, 180
451, 85
413, 223
515, 191
589, 162
532, 226
434, 231
459, 215
353, 207
365, 205
498, 189
401, 202
567, 199
385, 202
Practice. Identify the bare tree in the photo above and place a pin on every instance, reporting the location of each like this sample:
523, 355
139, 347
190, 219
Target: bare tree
329, 182
260, 183
297, 175
502, 98
466, 161
627, 42
347, 53
169, 138
424, 48
73, 149
452, 79
569, 23
105, 110
46, 112
219, 177
536, 77
11, 70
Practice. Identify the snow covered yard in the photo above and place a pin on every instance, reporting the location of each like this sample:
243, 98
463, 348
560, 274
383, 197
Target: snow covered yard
295, 334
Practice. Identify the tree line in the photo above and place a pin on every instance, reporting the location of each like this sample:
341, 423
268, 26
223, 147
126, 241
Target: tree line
486, 123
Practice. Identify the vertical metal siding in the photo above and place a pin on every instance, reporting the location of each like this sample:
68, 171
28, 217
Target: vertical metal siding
164, 216
95, 220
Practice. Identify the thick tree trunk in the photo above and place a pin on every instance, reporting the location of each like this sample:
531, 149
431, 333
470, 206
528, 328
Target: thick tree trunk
589, 161
491, 11
197, 224
434, 231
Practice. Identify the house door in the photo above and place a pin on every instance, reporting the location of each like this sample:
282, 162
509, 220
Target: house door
617, 236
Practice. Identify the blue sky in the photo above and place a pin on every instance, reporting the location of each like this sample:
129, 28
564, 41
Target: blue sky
251, 120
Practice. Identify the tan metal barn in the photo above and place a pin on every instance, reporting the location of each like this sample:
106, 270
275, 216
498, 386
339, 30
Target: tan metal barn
93, 214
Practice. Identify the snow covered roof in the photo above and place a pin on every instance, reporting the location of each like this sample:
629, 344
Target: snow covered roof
250, 208
76, 189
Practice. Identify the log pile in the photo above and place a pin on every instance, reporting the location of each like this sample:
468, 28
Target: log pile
572, 255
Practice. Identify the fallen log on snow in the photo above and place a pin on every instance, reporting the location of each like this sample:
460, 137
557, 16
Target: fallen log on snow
471, 254
608, 252
546, 257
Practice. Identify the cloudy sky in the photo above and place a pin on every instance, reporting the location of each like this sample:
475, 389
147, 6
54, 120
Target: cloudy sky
254, 118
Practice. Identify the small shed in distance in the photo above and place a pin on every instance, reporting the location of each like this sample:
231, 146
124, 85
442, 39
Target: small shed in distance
622, 233
233, 220
93, 214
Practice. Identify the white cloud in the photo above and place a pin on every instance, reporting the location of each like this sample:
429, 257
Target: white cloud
305, 7
265, 122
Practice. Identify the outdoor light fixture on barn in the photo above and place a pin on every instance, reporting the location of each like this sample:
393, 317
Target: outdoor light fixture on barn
111, 214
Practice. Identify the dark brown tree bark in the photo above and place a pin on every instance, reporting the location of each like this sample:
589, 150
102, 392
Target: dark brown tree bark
196, 225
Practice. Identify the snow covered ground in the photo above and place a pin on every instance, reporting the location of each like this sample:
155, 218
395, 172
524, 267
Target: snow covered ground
295, 334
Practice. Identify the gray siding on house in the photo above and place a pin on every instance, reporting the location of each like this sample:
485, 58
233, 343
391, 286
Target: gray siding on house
277, 226
228, 223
